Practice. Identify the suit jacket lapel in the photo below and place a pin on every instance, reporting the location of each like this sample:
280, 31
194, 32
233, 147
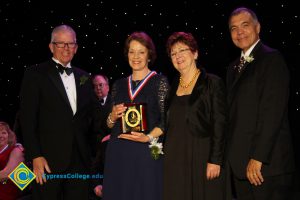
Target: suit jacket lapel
233, 79
231, 74
198, 87
56, 79
238, 75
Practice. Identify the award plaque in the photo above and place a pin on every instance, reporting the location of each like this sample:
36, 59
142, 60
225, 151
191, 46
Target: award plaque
134, 118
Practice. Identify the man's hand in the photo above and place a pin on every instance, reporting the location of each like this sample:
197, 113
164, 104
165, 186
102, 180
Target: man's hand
212, 171
254, 172
39, 164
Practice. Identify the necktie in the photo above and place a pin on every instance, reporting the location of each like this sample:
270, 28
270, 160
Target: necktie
101, 101
241, 64
61, 69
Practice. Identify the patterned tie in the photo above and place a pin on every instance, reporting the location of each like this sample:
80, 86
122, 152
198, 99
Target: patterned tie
241, 64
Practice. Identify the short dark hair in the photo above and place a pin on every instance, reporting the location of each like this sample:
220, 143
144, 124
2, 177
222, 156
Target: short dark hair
145, 40
240, 10
182, 37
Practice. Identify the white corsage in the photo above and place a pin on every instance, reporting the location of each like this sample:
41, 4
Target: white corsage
248, 59
156, 148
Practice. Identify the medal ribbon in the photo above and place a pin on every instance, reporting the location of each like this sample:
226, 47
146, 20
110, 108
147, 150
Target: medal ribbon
134, 93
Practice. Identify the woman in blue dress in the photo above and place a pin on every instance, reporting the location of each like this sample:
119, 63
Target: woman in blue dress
131, 173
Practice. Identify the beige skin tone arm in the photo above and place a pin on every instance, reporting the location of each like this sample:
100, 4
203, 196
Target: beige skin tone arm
16, 156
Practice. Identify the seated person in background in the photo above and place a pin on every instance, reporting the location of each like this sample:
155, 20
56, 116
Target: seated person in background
101, 89
11, 154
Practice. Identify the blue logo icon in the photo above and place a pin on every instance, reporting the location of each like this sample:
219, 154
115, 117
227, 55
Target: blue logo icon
22, 176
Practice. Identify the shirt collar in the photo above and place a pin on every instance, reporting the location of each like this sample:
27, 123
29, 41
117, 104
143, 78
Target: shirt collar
250, 49
55, 60
104, 100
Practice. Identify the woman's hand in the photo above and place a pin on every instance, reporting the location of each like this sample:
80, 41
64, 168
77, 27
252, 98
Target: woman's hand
117, 111
135, 136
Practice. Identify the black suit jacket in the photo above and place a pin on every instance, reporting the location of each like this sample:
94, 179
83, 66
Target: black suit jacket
104, 129
48, 125
106, 109
206, 112
99, 146
258, 103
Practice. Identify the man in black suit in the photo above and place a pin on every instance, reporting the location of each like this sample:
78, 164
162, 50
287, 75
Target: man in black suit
260, 151
58, 106
101, 89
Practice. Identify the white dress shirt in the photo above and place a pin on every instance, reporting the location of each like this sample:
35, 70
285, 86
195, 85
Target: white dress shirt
70, 87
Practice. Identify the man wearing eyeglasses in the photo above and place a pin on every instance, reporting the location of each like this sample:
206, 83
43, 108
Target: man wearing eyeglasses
58, 106
101, 89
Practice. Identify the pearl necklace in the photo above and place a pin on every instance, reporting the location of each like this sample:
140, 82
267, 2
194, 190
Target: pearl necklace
181, 83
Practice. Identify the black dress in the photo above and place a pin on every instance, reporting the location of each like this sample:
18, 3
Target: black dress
185, 160
130, 171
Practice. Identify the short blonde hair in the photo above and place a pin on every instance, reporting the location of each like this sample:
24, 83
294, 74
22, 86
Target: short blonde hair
11, 135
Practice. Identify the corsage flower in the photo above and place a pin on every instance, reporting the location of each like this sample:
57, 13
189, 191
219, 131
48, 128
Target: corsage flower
83, 79
248, 59
156, 148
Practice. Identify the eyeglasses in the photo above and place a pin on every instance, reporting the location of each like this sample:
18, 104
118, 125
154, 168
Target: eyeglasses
180, 52
63, 44
100, 85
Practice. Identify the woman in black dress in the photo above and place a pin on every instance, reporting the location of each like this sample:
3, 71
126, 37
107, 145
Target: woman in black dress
196, 126
130, 171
